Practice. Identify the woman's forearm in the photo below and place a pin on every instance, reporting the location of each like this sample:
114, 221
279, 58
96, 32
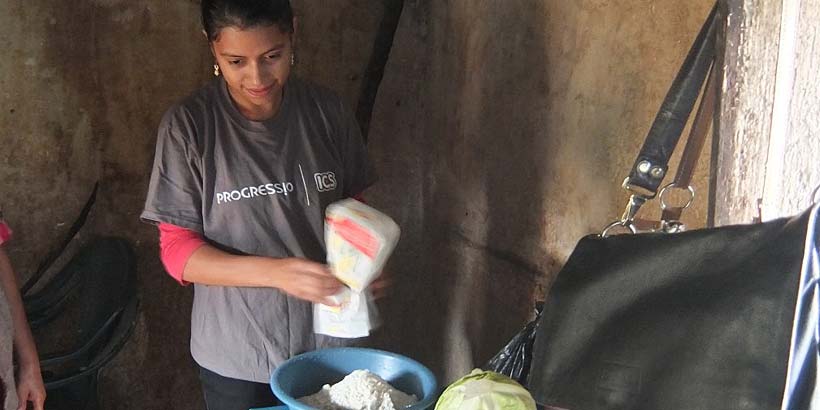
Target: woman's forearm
299, 277
211, 266
23, 339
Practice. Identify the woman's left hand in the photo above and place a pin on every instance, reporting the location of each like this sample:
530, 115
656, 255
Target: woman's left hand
380, 286
30, 388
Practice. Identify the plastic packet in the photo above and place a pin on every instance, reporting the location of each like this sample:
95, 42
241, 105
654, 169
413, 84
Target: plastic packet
355, 316
359, 241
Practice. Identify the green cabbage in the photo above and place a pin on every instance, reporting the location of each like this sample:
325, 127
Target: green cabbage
485, 390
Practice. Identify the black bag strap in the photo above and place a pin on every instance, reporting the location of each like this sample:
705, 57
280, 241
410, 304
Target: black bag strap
652, 162
692, 150
671, 211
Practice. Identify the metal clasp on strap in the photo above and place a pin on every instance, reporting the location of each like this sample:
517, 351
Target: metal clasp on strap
636, 201
670, 214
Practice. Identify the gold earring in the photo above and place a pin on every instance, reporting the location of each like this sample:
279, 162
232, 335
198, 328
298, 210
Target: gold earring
216, 70
292, 59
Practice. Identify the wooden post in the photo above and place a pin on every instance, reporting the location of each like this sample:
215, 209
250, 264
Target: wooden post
769, 113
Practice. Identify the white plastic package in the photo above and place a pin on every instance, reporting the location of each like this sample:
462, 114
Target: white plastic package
359, 241
355, 317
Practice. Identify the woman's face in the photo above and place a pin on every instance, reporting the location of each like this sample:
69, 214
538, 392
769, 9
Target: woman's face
255, 63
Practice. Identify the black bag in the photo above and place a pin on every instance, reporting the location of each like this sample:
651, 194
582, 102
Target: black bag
722, 318
514, 359
694, 320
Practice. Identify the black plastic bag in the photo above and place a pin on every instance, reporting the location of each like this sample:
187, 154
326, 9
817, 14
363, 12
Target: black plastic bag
514, 359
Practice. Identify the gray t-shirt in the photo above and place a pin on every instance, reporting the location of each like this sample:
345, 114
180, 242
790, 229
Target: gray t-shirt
255, 188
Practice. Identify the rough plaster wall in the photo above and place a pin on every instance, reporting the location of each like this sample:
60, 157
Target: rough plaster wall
83, 87
334, 43
49, 153
502, 132
802, 174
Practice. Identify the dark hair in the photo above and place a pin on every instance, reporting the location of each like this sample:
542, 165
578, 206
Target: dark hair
218, 14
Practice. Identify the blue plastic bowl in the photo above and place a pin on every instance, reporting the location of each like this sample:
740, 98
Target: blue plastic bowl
305, 374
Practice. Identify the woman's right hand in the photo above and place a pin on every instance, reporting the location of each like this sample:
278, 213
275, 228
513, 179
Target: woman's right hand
307, 280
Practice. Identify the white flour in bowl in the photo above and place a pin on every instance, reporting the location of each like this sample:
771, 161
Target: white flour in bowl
360, 390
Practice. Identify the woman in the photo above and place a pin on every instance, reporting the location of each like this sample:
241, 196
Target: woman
14, 332
243, 171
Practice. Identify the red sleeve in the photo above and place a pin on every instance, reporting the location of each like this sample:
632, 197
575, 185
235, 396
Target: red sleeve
5, 232
176, 244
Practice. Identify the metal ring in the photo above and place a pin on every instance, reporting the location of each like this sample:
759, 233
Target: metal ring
624, 224
691, 190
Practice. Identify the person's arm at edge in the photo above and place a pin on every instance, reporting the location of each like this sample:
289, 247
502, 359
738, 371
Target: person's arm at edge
30, 381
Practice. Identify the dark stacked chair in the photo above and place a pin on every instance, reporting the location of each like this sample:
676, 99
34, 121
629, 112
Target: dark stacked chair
81, 318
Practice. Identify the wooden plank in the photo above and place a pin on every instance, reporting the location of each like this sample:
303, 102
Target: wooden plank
746, 101
770, 102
